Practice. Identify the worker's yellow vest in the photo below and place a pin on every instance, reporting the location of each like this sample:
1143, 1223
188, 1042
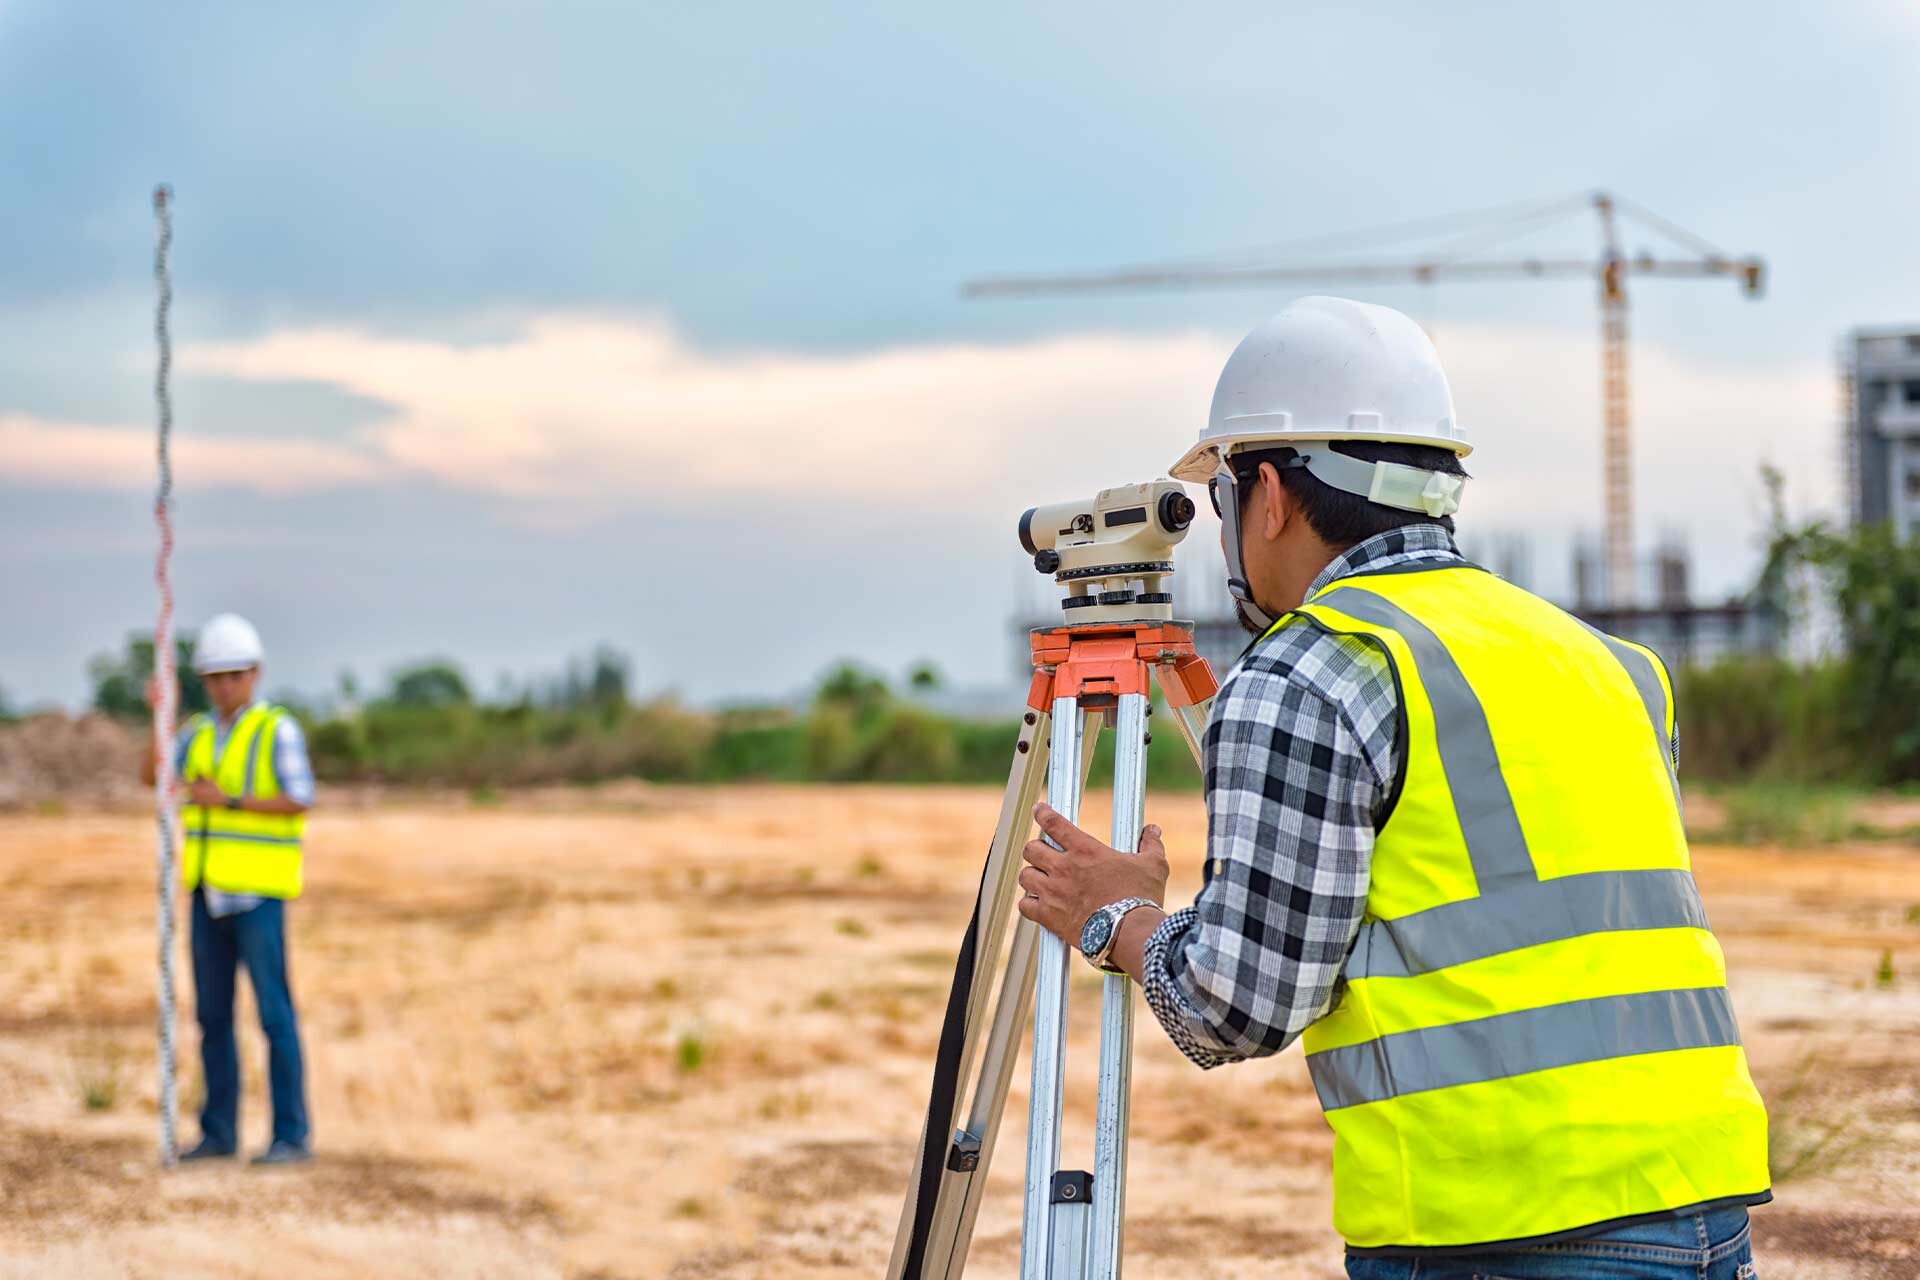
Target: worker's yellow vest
232, 849
1535, 1034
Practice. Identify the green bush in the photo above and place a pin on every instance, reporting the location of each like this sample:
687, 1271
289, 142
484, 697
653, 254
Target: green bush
911, 745
983, 749
470, 746
436, 683
861, 692
757, 746
1872, 693
1765, 718
1170, 763
120, 680
855, 730
338, 748
1785, 814
832, 742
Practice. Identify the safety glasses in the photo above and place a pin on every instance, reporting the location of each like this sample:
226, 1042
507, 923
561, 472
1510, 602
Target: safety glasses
1234, 483
1224, 489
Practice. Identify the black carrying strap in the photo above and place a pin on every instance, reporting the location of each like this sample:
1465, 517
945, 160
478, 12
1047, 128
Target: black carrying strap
946, 1086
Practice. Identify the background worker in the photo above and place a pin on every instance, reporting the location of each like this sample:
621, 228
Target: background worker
1444, 843
247, 786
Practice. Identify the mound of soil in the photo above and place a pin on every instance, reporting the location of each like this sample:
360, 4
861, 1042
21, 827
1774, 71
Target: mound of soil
87, 762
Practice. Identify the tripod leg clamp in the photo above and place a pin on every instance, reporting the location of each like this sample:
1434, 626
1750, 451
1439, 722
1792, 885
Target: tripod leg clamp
964, 1155
1072, 1186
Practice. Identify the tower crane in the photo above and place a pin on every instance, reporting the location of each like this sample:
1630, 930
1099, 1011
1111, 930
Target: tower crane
1457, 259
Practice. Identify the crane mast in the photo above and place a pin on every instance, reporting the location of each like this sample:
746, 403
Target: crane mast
1616, 416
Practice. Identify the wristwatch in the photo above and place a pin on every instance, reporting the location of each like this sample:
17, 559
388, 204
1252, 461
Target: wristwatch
232, 802
1102, 927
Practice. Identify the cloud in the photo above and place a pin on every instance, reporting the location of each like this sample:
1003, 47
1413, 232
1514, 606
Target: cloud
600, 408
73, 455
576, 414
1700, 429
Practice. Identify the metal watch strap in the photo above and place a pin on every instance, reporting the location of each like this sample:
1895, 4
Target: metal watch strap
1117, 912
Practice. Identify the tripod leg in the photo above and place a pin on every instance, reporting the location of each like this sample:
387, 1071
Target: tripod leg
1065, 775
1116, 1014
926, 1243
936, 1222
1189, 717
1010, 1022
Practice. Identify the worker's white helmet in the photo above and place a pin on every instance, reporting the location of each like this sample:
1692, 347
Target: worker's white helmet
227, 643
1333, 369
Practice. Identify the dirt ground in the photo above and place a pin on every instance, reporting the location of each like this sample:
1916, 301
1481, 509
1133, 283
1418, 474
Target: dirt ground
687, 1033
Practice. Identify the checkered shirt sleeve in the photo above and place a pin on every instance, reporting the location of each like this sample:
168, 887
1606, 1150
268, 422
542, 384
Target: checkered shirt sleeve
292, 769
1293, 788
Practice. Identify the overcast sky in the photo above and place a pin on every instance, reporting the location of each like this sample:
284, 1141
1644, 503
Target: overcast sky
508, 330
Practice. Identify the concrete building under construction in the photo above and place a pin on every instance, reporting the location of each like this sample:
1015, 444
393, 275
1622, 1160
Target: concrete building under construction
1667, 619
1880, 378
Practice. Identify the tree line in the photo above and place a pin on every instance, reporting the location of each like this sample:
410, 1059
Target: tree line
1850, 717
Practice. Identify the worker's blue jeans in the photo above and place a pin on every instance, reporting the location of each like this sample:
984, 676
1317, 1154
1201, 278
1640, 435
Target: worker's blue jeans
1700, 1246
257, 938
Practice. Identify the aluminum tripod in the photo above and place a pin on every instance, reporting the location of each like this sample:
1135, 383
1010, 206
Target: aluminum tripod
1084, 677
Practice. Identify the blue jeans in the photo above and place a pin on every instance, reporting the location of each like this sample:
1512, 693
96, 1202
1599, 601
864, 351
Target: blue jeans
220, 944
1700, 1246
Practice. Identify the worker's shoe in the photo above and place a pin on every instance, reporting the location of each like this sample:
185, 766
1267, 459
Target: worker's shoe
284, 1153
206, 1151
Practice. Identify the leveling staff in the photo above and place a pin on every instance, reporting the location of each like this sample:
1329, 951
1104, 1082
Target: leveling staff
1443, 847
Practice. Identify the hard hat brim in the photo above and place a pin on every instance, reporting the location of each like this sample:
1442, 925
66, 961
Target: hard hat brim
222, 668
1199, 464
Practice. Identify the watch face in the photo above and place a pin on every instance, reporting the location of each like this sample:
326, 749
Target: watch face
1094, 934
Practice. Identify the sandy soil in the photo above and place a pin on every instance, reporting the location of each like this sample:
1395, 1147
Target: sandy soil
688, 1034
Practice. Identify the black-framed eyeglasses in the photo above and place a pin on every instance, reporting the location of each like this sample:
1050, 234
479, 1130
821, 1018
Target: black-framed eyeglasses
1239, 483
1243, 480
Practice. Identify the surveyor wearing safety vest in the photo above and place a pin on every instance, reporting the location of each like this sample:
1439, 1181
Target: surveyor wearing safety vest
247, 786
1444, 849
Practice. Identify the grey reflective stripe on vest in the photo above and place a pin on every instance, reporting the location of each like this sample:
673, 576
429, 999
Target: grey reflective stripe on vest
1512, 1044
1495, 843
1526, 916
1514, 908
253, 751
250, 838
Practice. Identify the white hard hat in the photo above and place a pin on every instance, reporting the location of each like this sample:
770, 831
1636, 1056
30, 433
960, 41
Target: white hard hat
1334, 369
227, 643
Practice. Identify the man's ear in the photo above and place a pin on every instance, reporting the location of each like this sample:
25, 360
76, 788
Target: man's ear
1276, 507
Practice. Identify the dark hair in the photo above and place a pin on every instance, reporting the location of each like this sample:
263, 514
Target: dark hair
1341, 518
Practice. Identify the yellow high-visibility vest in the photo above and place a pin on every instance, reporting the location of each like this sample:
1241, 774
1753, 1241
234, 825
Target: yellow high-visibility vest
1535, 1034
233, 849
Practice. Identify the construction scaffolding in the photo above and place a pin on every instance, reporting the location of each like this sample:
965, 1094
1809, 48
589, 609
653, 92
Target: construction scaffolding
1880, 401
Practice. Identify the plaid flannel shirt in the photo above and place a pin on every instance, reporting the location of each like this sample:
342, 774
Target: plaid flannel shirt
1301, 754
